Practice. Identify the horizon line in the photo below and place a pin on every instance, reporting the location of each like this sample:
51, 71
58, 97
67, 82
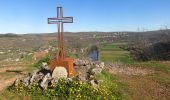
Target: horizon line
81, 31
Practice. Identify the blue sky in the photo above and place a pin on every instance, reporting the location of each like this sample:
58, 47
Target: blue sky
30, 16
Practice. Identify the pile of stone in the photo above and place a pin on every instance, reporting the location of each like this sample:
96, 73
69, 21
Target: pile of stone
85, 71
96, 66
43, 77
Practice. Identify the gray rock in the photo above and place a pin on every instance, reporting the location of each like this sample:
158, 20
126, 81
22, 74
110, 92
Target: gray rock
102, 65
47, 78
69, 80
59, 72
27, 80
76, 67
36, 77
91, 77
99, 64
33, 76
17, 81
96, 70
81, 62
45, 66
88, 67
94, 83
82, 78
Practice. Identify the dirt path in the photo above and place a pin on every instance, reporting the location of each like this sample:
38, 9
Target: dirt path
4, 69
130, 71
8, 75
120, 69
5, 83
142, 83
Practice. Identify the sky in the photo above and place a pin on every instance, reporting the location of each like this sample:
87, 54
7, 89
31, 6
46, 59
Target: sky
30, 16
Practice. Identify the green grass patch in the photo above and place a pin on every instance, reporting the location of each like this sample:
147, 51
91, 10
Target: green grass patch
8, 95
7, 75
113, 53
112, 46
27, 57
38, 64
73, 55
110, 81
156, 65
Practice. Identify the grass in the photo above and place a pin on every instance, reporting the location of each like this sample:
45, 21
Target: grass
7, 75
138, 87
153, 86
110, 81
64, 90
156, 65
113, 53
27, 57
73, 55
7, 95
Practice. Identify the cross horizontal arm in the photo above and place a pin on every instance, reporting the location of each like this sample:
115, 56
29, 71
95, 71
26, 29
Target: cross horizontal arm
67, 19
63, 20
52, 20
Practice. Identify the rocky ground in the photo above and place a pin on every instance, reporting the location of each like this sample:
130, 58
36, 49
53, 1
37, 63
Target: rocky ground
84, 71
122, 69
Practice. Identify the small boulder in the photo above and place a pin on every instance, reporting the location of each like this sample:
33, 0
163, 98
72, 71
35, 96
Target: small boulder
59, 72
94, 83
96, 70
101, 65
36, 77
47, 78
27, 80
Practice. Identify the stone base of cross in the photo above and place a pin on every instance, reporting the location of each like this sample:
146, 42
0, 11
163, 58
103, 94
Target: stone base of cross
66, 62
60, 59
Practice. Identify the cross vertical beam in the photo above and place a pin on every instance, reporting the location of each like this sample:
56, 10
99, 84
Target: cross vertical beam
60, 20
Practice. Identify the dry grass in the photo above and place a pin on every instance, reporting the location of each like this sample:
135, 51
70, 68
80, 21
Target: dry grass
9, 72
145, 88
142, 80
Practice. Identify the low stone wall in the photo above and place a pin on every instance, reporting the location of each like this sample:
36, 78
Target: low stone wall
85, 71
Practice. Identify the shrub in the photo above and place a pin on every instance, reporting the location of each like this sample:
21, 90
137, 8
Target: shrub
39, 62
64, 89
156, 51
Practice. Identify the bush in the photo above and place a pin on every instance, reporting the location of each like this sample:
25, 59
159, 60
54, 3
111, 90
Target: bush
157, 51
39, 62
64, 89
